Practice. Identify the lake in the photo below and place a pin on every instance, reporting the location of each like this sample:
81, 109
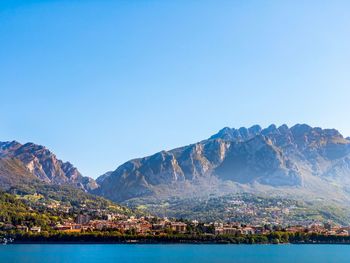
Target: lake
174, 253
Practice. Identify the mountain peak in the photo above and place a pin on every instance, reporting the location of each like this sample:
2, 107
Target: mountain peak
9, 144
304, 127
283, 128
298, 130
255, 129
233, 134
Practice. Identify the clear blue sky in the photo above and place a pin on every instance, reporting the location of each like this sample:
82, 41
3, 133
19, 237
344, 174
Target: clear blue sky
101, 82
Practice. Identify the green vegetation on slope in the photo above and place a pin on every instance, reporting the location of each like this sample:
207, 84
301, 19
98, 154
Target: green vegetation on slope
65, 197
244, 208
15, 211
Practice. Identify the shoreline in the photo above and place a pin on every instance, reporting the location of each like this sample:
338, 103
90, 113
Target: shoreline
163, 244
275, 238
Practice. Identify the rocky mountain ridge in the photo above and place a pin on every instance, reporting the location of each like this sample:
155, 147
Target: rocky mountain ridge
32, 173
42, 164
301, 157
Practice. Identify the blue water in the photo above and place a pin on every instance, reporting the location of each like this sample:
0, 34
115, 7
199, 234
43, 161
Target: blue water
174, 253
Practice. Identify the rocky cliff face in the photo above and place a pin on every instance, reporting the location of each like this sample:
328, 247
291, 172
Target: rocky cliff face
296, 157
44, 165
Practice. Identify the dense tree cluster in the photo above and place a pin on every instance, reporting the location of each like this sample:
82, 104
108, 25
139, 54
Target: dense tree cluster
15, 212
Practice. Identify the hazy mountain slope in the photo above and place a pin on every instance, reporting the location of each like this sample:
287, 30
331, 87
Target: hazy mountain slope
300, 160
44, 165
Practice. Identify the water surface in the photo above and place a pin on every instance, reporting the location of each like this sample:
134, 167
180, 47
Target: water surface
174, 253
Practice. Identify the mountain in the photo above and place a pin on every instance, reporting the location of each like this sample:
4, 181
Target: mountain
33, 176
299, 162
42, 164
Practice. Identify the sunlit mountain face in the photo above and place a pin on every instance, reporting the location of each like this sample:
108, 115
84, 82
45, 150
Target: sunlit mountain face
298, 161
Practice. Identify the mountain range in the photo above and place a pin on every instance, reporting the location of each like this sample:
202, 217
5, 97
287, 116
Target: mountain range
300, 161
291, 163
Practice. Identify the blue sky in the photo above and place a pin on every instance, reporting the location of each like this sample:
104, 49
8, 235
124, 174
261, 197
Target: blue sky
101, 82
